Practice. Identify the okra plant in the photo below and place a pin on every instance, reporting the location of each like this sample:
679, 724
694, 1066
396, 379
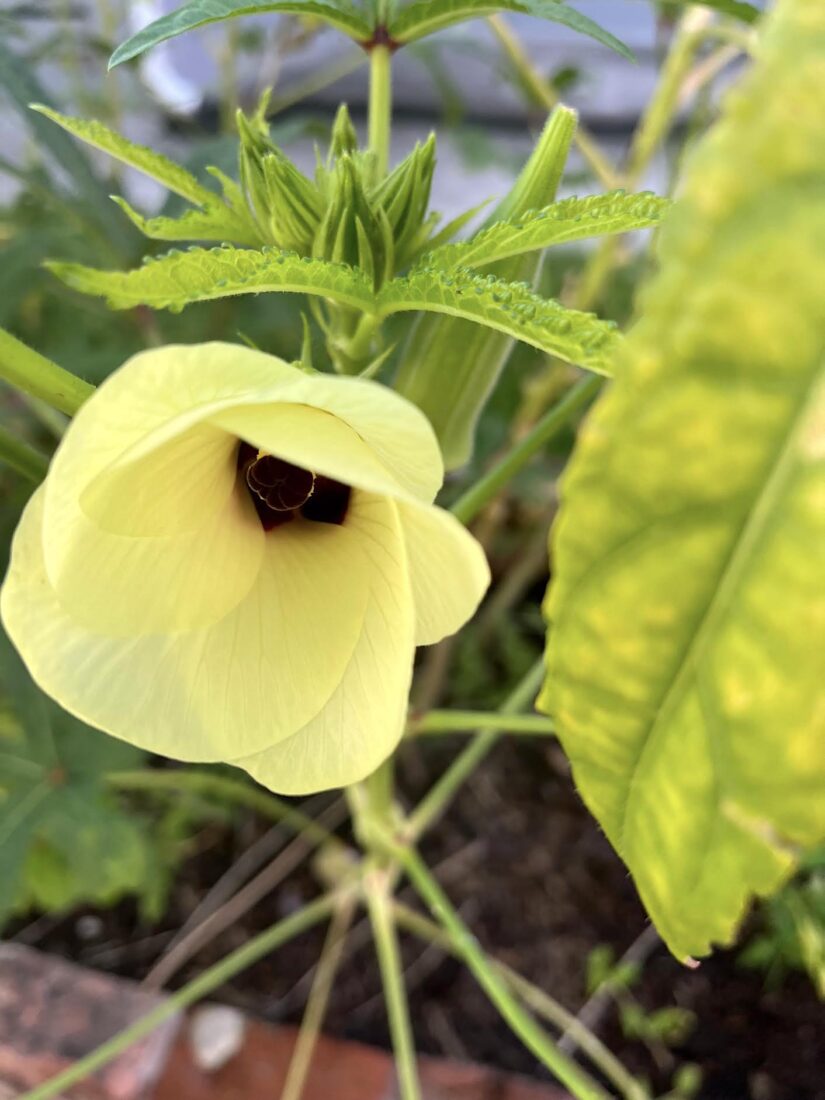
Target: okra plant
232, 557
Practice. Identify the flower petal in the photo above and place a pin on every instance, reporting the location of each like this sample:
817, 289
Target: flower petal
215, 693
165, 390
314, 439
364, 719
448, 571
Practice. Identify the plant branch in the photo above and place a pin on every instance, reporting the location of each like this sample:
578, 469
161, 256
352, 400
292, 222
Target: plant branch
489, 485
34, 374
173, 780
211, 979
326, 970
380, 108
534, 1037
540, 1002
458, 721
435, 802
379, 905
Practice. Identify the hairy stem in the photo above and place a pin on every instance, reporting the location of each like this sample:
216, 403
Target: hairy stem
38, 376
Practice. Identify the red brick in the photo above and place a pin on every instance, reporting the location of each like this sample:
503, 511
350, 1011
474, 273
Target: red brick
52, 1013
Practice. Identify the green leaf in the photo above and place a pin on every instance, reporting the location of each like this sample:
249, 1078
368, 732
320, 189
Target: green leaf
218, 223
425, 17
687, 610
747, 13
340, 14
63, 838
453, 400
561, 222
511, 308
177, 279
141, 157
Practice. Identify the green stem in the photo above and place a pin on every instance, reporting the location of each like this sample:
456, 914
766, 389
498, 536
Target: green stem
652, 130
21, 457
477, 496
541, 91
193, 991
380, 108
545, 1006
661, 109
379, 904
434, 803
174, 780
534, 1037
325, 972
458, 721
37, 376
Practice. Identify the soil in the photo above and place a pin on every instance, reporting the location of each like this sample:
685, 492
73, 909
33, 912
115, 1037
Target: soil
540, 885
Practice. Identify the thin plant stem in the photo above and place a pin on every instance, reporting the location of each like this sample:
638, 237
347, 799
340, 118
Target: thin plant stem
329, 962
175, 780
434, 803
467, 507
458, 721
534, 1037
317, 81
536, 999
377, 893
380, 108
543, 93
658, 117
230, 48
211, 979
34, 374
21, 457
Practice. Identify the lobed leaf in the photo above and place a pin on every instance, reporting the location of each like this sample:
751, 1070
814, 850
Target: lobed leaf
179, 278
218, 223
424, 17
340, 14
684, 666
145, 160
63, 839
511, 308
569, 220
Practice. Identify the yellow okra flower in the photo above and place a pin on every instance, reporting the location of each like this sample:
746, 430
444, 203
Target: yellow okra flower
232, 559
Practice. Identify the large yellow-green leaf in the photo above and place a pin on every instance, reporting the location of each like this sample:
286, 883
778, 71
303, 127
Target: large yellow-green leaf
687, 636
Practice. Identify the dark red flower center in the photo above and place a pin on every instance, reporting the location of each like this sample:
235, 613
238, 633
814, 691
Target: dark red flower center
281, 491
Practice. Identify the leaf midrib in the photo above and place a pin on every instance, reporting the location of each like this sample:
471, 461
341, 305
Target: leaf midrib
750, 532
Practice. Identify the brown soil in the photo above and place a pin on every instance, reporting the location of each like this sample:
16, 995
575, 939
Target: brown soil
540, 886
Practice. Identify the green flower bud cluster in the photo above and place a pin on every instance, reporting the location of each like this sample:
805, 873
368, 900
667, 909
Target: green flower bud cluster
344, 215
